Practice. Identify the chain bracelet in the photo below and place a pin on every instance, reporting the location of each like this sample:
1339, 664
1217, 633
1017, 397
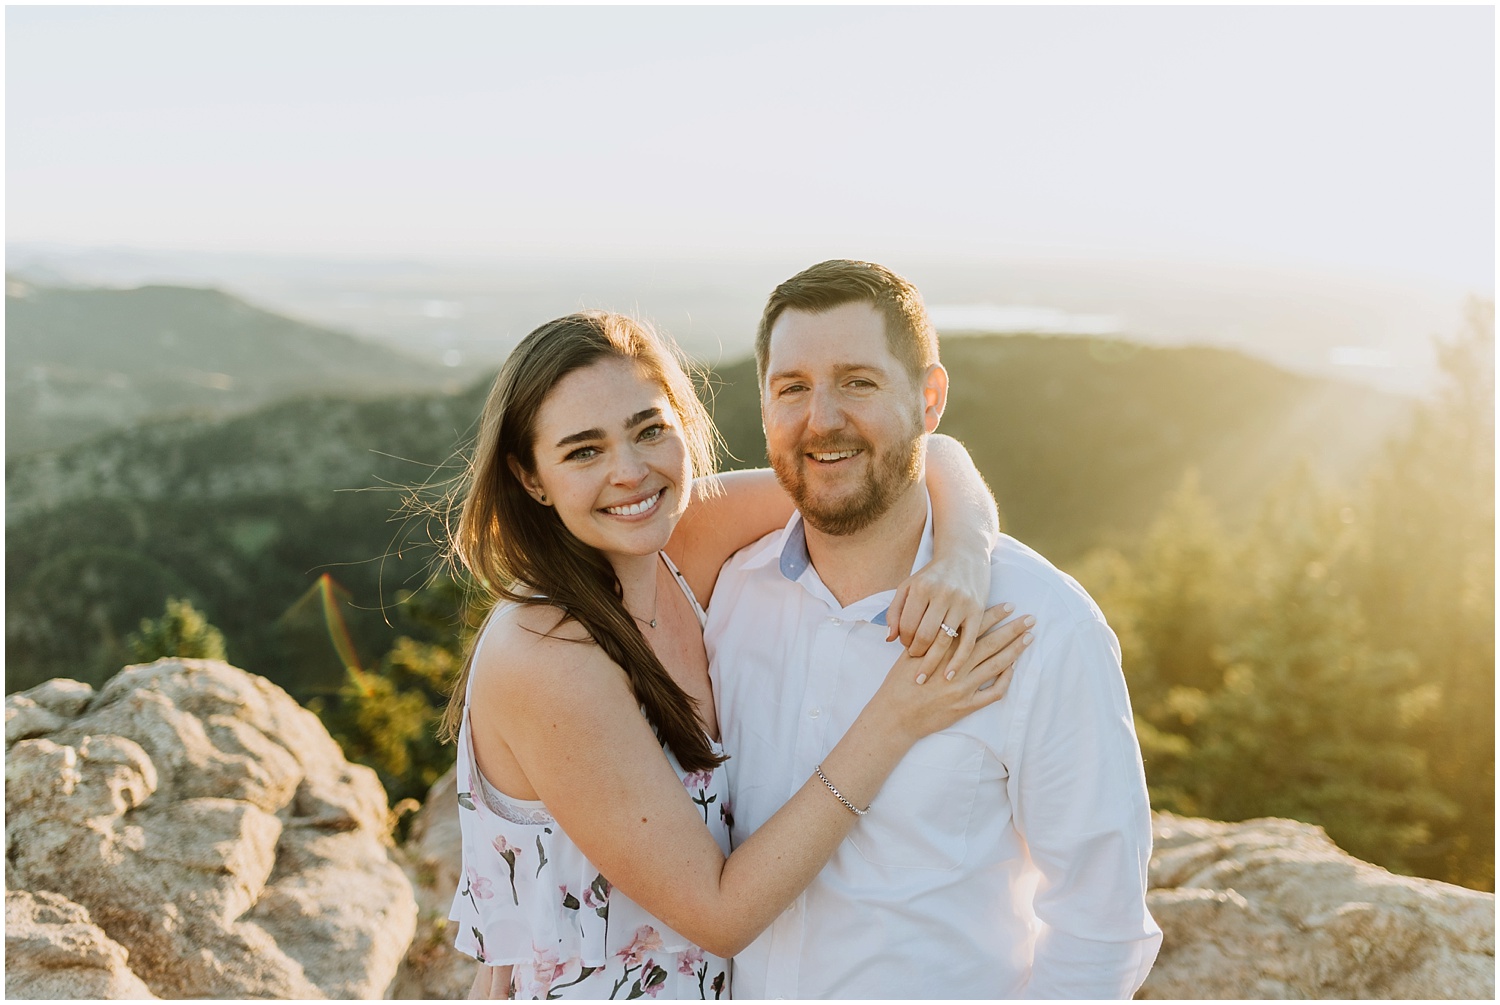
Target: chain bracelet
839, 795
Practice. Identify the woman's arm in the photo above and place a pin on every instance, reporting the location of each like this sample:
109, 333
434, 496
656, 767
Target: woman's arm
567, 716
725, 513
728, 511
953, 588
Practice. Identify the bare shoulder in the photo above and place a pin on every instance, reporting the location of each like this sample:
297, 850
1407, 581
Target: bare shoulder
534, 659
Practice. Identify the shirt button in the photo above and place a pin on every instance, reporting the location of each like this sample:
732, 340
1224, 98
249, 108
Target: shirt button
814, 713
835, 621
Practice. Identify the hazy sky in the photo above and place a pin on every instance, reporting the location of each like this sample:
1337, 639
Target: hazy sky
1356, 138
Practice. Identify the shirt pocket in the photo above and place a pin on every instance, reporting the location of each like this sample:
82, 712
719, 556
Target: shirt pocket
920, 819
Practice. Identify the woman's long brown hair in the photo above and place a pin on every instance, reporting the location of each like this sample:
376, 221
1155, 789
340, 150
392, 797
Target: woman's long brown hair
519, 551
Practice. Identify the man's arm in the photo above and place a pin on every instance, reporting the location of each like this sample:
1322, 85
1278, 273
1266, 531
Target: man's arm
1079, 795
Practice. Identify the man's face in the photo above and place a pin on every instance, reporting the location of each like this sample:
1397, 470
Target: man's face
843, 418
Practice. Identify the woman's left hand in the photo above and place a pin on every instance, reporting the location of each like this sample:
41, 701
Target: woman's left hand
946, 591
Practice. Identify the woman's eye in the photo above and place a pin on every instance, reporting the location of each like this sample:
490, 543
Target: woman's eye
652, 432
581, 454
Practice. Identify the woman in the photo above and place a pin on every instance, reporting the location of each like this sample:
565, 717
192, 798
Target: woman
593, 753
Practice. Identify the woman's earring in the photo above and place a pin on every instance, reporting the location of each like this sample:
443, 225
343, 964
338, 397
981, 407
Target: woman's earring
541, 497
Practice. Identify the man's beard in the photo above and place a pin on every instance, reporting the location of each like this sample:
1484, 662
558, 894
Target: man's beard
888, 474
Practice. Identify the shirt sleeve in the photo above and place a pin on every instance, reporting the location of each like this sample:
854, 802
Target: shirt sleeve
1079, 796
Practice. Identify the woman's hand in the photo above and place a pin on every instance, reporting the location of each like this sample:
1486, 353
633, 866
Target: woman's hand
946, 591
961, 686
490, 982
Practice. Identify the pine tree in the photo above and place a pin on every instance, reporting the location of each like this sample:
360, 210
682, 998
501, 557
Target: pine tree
181, 631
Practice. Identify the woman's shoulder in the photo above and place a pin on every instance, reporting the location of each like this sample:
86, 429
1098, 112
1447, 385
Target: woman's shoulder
535, 653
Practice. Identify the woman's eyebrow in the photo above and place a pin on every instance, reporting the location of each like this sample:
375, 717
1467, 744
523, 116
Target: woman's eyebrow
654, 412
597, 433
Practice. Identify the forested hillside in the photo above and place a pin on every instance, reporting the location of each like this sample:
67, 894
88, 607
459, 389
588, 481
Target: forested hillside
1081, 438
82, 361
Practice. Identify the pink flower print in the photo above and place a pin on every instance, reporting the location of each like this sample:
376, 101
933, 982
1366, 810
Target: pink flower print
479, 885
645, 940
547, 970
688, 962
466, 799
697, 780
654, 981
509, 852
597, 896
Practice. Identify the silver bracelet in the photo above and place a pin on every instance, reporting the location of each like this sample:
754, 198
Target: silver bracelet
839, 795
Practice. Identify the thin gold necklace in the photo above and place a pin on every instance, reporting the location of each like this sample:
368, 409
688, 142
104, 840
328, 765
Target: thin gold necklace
655, 599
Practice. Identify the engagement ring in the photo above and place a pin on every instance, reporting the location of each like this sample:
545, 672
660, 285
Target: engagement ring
952, 633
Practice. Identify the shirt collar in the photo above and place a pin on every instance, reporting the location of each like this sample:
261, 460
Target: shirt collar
794, 561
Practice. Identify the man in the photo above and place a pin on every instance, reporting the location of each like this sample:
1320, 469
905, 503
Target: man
1005, 857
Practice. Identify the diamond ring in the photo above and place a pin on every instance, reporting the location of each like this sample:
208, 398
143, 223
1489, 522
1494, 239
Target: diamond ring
951, 633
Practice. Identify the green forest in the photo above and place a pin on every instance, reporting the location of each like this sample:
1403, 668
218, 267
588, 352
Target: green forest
1301, 573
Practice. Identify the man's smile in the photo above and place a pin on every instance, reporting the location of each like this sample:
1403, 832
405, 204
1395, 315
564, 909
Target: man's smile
832, 456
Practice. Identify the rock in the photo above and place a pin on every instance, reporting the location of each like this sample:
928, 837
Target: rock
211, 827
1273, 909
1260, 909
432, 856
54, 950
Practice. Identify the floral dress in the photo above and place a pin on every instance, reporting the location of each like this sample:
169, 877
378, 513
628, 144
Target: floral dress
529, 898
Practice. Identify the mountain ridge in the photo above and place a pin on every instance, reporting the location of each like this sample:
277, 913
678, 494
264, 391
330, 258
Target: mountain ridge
82, 361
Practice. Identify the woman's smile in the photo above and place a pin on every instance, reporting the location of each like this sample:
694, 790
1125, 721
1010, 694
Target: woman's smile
640, 508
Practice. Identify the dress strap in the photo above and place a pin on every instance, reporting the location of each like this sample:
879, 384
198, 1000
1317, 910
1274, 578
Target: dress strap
686, 589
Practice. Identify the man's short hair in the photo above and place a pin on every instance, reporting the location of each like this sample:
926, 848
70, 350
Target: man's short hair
839, 281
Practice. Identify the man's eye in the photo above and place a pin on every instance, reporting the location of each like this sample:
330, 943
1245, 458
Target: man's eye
861, 382
791, 389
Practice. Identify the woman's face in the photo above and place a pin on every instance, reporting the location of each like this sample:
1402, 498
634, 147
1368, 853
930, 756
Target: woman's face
610, 458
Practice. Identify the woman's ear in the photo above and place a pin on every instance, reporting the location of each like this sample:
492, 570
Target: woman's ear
528, 480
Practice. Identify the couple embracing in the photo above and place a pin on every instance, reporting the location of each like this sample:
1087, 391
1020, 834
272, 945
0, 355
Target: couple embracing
816, 733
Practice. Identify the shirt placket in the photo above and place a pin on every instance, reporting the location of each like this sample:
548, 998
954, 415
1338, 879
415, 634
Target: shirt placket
828, 638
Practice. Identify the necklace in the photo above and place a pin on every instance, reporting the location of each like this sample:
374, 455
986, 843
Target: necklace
655, 603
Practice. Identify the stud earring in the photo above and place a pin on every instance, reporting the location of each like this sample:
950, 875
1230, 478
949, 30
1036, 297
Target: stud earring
541, 497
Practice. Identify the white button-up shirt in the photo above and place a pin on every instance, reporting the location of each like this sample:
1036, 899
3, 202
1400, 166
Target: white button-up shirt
1004, 857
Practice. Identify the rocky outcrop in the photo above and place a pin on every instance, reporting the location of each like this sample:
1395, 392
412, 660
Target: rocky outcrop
1273, 909
194, 822
432, 855
1260, 909
54, 950
190, 831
